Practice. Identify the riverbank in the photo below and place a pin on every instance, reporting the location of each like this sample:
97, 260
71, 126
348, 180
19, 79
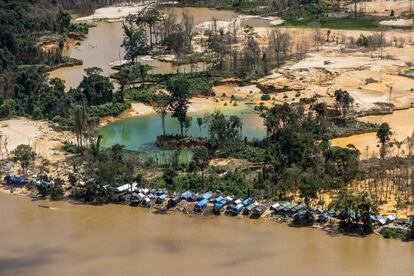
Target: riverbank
187, 207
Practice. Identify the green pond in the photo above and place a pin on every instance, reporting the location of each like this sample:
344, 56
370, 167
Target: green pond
410, 74
139, 133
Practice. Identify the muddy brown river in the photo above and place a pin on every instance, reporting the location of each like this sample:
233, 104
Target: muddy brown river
103, 46
71, 239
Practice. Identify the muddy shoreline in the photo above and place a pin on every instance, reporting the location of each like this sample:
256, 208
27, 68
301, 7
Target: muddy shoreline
185, 209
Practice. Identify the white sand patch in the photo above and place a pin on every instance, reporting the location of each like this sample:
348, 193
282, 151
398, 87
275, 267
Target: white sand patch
237, 22
115, 13
365, 100
315, 60
397, 22
20, 131
44, 140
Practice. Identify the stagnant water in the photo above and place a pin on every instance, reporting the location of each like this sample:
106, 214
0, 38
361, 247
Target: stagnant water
71, 239
103, 46
140, 132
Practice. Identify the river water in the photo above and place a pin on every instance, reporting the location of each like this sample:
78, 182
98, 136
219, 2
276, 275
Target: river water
71, 239
103, 46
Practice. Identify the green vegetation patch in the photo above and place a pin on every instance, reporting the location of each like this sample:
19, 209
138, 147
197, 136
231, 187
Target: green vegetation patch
393, 233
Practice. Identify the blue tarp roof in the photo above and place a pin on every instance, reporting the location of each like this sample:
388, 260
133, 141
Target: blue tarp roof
219, 199
218, 205
238, 207
302, 213
16, 179
187, 195
247, 201
202, 203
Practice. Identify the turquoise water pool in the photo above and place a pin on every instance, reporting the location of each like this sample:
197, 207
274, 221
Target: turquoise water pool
139, 133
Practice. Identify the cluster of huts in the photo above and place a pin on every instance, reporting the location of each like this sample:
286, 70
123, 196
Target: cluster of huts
281, 211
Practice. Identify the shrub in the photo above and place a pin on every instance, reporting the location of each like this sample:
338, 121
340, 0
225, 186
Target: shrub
143, 95
108, 109
56, 192
267, 88
71, 147
392, 233
265, 97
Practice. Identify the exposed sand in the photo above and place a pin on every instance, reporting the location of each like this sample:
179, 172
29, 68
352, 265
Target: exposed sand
383, 7
237, 22
402, 126
39, 134
115, 13
321, 60
400, 22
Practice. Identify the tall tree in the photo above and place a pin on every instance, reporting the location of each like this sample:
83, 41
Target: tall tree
201, 158
148, 16
179, 99
344, 102
135, 42
161, 106
24, 155
94, 89
383, 134
309, 186
200, 122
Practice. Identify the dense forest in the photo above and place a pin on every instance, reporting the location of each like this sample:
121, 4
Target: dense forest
25, 89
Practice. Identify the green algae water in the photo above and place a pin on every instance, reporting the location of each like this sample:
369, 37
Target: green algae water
139, 133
